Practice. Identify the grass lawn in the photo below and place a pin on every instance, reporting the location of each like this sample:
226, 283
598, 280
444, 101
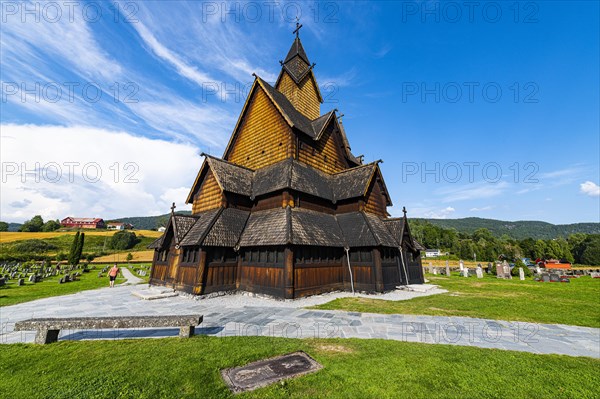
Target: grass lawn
575, 303
11, 294
189, 368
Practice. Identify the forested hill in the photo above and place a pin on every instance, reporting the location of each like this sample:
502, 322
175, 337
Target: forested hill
149, 222
519, 229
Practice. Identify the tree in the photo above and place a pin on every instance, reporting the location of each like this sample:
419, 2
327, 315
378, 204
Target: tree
73, 251
3, 226
35, 224
540, 249
123, 240
51, 225
79, 249
590, 254
129, 257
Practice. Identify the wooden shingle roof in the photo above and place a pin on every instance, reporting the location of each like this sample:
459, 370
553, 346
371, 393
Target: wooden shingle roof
289, 174
233, 228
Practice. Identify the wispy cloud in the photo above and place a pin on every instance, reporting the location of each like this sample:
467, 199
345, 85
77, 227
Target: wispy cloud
472, 191
183, 68
484, 208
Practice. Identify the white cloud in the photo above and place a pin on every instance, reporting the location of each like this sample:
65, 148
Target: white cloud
590, 188
139, 176
432, 213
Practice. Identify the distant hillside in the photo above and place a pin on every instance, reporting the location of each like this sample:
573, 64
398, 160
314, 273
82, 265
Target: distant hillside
147, 222
14, 226
518, 229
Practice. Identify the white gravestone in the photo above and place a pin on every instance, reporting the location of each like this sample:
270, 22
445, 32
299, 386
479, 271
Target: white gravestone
430, 268
461, 265
447, 269
435, 270
479, 272
466, 272
506, 268
521, 274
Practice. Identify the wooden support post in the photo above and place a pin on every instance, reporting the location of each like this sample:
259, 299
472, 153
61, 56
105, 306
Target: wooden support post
378, 270
238, 271
199, 288
288, 273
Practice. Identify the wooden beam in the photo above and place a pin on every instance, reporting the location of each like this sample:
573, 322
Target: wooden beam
199, 288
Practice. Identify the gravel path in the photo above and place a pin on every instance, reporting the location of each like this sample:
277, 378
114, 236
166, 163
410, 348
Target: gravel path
235, 315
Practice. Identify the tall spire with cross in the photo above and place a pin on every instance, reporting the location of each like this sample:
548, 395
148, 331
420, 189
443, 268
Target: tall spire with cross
295, 70
173, 208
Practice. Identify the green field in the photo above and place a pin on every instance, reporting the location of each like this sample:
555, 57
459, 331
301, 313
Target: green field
189, 368
574, 303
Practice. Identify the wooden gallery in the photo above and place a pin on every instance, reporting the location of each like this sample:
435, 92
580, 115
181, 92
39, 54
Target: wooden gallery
288, 211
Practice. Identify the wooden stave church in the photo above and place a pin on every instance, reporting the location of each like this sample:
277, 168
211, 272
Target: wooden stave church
288, 211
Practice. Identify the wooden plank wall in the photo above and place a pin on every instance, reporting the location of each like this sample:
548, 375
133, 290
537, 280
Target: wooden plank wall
263, 137
315, 278
376, 202
303, 96
209, 195
326, 154
262, 279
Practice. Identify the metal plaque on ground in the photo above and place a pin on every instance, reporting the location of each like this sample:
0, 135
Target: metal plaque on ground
265, 372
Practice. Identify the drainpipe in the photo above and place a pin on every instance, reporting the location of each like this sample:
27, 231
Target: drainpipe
349, 268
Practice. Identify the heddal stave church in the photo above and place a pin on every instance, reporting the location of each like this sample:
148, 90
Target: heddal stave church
288, 211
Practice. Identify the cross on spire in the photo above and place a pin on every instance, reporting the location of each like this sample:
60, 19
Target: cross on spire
404, 210
173, 208
298, 26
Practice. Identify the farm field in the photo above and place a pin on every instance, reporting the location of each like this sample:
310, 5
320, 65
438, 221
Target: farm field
353, 368
10, 236
138, 256
575, 303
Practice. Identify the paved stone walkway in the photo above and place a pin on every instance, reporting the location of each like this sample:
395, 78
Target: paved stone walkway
131, 278
245, 315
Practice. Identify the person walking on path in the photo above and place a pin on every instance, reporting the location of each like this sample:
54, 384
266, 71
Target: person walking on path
112, 275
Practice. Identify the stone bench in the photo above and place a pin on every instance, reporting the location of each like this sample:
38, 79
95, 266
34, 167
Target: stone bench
48, 328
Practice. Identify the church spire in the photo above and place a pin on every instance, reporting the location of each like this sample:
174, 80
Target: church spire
297, 81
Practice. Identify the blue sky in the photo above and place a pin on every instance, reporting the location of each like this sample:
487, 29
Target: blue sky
490, 111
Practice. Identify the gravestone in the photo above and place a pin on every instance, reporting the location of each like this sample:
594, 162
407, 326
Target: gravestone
554, 278
538, 270
430, 268
565, 280
61, 280
521, 274
99, 274
461, 265
465, 272
266, 372
506, 268
546, 278
594, 275
20, 282
435, 270
32, 278
447, 269
479, 271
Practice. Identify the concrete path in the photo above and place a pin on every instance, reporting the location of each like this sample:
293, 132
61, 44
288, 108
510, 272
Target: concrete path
237, 315
131, 279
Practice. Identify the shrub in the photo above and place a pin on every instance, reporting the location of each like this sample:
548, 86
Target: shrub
515, 270
33, 246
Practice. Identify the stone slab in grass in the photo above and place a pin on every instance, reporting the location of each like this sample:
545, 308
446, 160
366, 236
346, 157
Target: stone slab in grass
266, 372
